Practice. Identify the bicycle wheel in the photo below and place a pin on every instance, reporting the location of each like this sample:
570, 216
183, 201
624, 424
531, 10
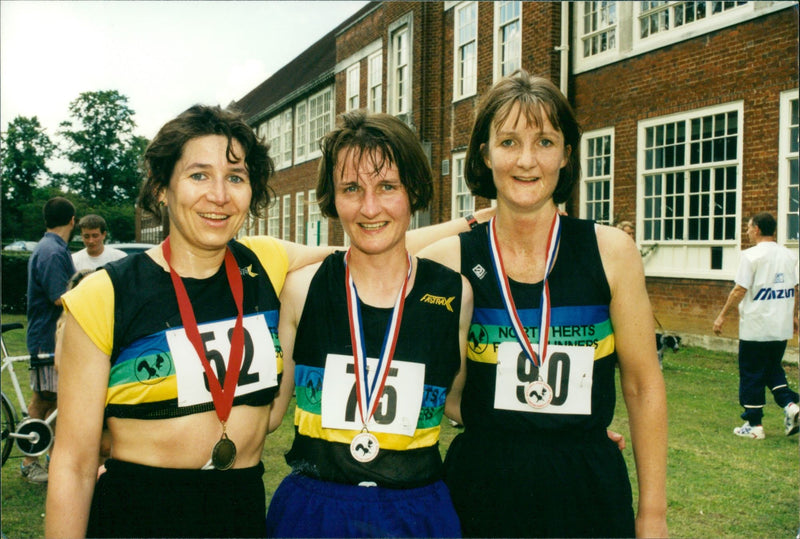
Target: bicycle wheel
8, 427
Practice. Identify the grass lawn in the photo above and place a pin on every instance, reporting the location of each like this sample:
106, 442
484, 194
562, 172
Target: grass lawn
718, 485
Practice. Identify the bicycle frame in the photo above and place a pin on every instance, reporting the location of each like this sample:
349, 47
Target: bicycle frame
32, 436
8, 366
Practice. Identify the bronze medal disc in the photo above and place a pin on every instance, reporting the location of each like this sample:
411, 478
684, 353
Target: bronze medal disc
224, 454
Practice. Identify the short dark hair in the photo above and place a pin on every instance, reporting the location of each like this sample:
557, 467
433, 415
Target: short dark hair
494, 108
765, 222
92, 221
167, 147
58, 211
77, 277
386, 140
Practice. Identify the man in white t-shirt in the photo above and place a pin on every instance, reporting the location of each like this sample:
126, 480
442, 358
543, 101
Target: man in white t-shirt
766, 293
95, 253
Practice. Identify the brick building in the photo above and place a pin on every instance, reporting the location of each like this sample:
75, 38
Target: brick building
689, 112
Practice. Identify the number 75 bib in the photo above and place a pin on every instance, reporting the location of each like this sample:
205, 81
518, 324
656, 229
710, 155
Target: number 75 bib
567, 371
398, 411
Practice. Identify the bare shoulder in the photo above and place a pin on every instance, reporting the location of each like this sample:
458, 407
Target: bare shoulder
297, 281
622, 262
446, 251
613, 242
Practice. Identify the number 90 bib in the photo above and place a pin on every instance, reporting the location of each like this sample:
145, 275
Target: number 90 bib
566, 374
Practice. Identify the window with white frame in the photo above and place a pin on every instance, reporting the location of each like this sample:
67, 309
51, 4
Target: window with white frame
508, 37
375, 75
353, 82
300, 218
275, 139
606, 32
655, 17
317, 224
400, 73
463, 201
274, 220
690, 176
287, 217
286, 161
263, 132
788, 191
465, 62
598, 164
313, 118
261, 226
320, 118
598, 27
301, 130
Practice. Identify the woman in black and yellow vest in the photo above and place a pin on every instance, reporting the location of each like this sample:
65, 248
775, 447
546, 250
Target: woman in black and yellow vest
372, 341
176, 349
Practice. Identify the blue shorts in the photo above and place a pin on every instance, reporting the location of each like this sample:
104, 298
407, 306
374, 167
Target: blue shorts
306, 507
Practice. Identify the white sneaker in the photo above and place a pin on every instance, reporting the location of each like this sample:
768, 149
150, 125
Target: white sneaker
34, 472
791, 420
749, 431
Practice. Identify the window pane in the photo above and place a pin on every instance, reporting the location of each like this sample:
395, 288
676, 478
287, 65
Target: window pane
698, 202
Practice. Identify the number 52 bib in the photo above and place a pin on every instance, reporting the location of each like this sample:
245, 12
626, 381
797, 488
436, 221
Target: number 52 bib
567, 370
259, 365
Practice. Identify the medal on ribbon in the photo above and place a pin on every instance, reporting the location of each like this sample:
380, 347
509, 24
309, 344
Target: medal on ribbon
369, 386
538, 394
223, 455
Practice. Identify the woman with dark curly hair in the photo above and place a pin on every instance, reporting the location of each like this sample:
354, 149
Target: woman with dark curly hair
177, 349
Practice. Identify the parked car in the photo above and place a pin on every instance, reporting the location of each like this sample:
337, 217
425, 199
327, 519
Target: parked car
21, 246
131, 248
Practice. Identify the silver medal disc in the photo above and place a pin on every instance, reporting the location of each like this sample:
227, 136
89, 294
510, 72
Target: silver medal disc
224, 454
538, 394
364, 447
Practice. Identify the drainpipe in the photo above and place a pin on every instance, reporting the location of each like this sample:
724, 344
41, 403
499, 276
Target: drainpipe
564, 48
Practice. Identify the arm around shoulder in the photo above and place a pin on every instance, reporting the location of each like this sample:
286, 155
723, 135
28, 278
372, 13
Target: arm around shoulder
419, 238
452, 406
446, 251
293, 298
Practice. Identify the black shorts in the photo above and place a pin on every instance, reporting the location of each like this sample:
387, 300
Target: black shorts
509, 485
131, 500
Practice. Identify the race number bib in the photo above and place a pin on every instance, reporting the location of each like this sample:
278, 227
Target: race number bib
398, 410
567, 371
259, 366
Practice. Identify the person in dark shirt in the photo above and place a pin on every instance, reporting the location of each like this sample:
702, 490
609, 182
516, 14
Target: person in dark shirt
49, 269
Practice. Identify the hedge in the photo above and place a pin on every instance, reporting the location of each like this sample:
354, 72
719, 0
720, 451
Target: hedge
15, 281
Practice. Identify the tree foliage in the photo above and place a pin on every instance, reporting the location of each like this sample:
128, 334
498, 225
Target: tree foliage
102, 146
24, 151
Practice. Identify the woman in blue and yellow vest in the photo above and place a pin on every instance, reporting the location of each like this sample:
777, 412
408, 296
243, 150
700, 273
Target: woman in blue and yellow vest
560, 304
372, 340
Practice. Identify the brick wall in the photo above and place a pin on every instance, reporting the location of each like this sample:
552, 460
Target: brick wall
753, 62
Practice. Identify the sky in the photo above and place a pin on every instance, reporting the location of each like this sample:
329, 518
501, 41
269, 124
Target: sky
164, 56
